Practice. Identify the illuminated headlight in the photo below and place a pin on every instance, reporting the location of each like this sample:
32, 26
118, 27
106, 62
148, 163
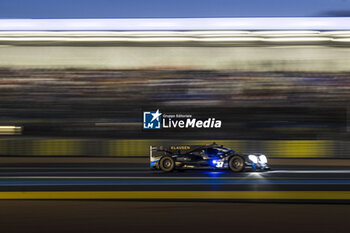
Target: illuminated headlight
253, 158
263, 158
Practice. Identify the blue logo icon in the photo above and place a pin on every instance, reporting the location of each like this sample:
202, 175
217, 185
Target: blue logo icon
151, 120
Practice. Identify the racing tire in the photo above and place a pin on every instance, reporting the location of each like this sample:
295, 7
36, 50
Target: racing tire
236, 163
167, 164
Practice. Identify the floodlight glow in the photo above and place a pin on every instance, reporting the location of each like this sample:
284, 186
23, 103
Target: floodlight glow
67, 39
160, 39
228, 39
8, 127
297, 39
341, 40
102, 39
286, 32
337, 32
178, 24
216, 32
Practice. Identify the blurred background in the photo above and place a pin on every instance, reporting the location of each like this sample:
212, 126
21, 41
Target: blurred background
82, 92
76, 77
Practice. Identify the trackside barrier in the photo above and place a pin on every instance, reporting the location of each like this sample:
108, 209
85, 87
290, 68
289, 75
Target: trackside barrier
112, 148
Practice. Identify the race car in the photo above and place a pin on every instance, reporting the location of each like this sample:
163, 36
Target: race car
211, 156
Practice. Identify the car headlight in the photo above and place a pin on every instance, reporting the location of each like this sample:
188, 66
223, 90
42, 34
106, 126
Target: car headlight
253, 158
263, 158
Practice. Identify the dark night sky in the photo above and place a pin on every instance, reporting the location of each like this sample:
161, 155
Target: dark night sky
170, 8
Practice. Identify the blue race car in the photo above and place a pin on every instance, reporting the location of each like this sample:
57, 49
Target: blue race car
211, 156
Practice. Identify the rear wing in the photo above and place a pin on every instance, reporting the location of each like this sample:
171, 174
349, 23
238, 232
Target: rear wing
157, 151
151, 148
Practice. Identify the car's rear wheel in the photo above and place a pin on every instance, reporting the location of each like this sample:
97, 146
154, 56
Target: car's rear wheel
236, 163
167, 164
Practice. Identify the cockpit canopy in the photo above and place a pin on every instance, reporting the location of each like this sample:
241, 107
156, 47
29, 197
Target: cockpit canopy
217, 151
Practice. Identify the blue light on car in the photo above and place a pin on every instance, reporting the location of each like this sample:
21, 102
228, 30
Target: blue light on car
152, 164
254, 166
214, 161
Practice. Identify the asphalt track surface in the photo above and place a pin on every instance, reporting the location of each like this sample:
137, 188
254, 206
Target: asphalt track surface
135, 181
128, 197
37, 216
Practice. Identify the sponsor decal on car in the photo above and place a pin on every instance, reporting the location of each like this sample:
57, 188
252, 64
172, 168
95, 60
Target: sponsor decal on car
180, 147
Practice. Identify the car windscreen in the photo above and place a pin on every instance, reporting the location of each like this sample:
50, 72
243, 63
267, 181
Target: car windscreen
212, 152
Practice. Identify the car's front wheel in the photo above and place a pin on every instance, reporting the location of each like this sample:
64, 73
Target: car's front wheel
167, 164
236, 163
